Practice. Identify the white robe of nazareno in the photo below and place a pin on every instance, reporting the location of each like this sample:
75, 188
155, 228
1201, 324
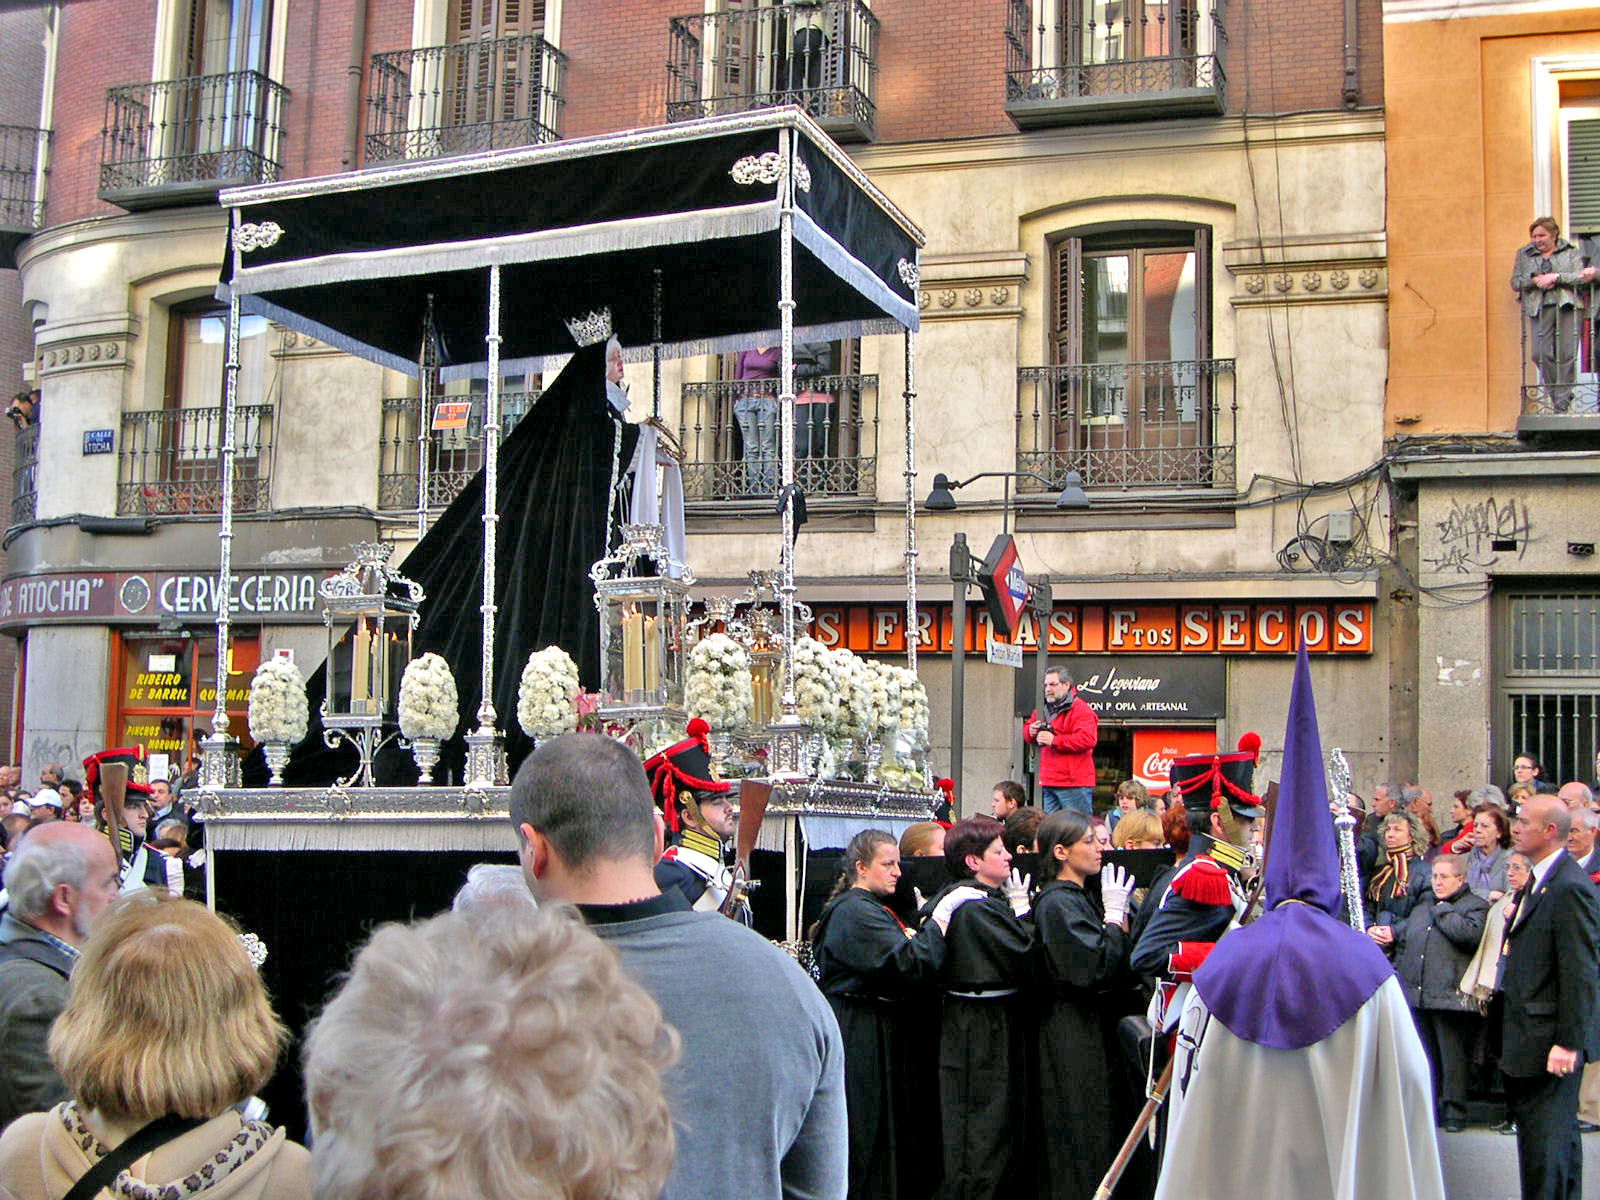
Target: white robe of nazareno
1346, 1118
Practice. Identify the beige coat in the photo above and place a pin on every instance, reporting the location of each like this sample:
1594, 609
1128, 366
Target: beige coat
43, 1154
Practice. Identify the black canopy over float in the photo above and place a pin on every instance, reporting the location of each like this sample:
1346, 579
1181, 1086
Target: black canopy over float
732, 232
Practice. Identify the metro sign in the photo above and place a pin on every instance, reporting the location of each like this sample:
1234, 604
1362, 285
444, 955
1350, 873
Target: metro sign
1004, 584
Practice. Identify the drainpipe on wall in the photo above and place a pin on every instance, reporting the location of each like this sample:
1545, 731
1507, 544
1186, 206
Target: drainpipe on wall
1352, 57
352, 86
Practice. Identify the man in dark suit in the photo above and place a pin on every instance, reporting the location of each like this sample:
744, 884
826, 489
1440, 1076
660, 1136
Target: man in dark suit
1551, 988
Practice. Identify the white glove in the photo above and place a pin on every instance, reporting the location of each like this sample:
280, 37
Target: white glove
953, 900
1016, 890
1115, 887
918, 898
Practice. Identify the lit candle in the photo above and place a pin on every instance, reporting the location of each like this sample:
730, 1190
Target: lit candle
632, 654
361, 660
652, 655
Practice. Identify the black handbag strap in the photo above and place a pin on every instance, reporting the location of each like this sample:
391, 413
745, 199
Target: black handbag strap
158, 1133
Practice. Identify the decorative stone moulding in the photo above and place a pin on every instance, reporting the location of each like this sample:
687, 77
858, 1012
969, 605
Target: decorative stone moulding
1298, 284
100, 354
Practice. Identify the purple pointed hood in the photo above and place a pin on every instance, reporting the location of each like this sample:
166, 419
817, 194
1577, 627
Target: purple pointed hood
1299, 973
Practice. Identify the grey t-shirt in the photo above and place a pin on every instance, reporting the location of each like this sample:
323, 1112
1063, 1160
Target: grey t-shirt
758, 1093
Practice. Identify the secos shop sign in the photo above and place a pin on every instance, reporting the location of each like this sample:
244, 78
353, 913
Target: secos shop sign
1272, 627
133, 595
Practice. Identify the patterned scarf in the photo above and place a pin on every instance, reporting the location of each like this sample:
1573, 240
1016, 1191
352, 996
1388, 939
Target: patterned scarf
1390, 879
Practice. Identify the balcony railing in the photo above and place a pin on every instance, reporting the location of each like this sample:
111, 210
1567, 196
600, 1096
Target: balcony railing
22, 151
25, 476
180, 141
1149, 425
482, 95
1102, 62
167, 462
1560, 373
454, 455
823, 57
730, 437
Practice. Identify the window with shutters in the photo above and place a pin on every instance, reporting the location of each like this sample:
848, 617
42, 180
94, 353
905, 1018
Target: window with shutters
1131, 396
216, 121
497, 82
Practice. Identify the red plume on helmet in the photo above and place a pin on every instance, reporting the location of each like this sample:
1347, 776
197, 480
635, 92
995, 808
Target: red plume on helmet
686, 765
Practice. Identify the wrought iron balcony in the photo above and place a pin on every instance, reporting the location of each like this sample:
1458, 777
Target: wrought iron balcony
25, 476
168, 463
729, 431
481, 95
1114, 62
1558, 394
454, 455
822, 56
1148, 425
22, 151
180, 141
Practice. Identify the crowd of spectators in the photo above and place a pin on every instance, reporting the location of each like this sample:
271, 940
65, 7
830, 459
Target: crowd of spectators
566, 1030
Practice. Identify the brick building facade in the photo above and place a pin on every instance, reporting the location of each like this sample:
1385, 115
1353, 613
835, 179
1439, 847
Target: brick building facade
1153, 245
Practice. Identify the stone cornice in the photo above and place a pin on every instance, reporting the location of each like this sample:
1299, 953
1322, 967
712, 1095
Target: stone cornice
976, 284
1324, 269
95, 343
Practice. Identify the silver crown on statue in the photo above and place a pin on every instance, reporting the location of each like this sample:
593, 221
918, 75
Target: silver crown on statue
591, 327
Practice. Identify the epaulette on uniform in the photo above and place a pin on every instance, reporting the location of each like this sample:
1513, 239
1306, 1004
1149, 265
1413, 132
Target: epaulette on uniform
1204, 881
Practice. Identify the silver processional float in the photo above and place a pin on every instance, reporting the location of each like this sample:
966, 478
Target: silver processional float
303, 255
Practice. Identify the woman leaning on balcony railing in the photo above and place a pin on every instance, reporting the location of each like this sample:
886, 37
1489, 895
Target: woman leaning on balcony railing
1551, 280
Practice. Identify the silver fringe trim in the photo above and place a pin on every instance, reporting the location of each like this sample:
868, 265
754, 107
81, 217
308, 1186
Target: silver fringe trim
669, 229
786, 117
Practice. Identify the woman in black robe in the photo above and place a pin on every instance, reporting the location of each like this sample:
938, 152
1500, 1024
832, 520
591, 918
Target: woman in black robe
870, 964
1085, 953
985, 1053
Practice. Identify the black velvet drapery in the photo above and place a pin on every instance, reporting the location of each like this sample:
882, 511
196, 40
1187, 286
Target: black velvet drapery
554, 481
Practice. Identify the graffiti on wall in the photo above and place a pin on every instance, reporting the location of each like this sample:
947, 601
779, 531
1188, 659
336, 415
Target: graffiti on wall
1474, 537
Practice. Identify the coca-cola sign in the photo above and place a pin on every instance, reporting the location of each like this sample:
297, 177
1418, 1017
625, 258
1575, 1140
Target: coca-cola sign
1144, 688
1154, 750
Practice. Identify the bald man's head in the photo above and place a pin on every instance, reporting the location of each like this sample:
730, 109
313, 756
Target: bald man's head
1541, 827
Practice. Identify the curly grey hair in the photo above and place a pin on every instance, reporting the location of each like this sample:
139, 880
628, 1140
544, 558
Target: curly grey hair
501, 1054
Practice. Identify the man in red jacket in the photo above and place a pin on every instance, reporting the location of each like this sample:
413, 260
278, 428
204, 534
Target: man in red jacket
1066, 738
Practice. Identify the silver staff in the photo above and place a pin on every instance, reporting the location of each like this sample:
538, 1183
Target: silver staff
1345, 824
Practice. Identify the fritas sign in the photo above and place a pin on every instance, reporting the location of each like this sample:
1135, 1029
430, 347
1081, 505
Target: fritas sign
1342, 627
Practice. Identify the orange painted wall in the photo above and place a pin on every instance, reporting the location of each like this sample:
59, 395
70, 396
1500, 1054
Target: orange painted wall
1459, 102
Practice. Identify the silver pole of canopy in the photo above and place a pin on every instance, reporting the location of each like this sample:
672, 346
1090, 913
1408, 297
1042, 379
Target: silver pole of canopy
427, 366
486, 756
910, 396
218, 764
788, 731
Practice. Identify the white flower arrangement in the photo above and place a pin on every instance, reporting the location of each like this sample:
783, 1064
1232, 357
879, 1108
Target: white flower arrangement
816, 685
853, 678
278, 708
717, 689
913, 722
897, 773
429, 704
885, 707
547, 696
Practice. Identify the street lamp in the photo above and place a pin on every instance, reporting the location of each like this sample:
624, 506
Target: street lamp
940, 499
964, 570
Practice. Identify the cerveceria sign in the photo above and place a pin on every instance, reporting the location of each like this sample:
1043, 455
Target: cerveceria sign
274, 595
1269, 627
